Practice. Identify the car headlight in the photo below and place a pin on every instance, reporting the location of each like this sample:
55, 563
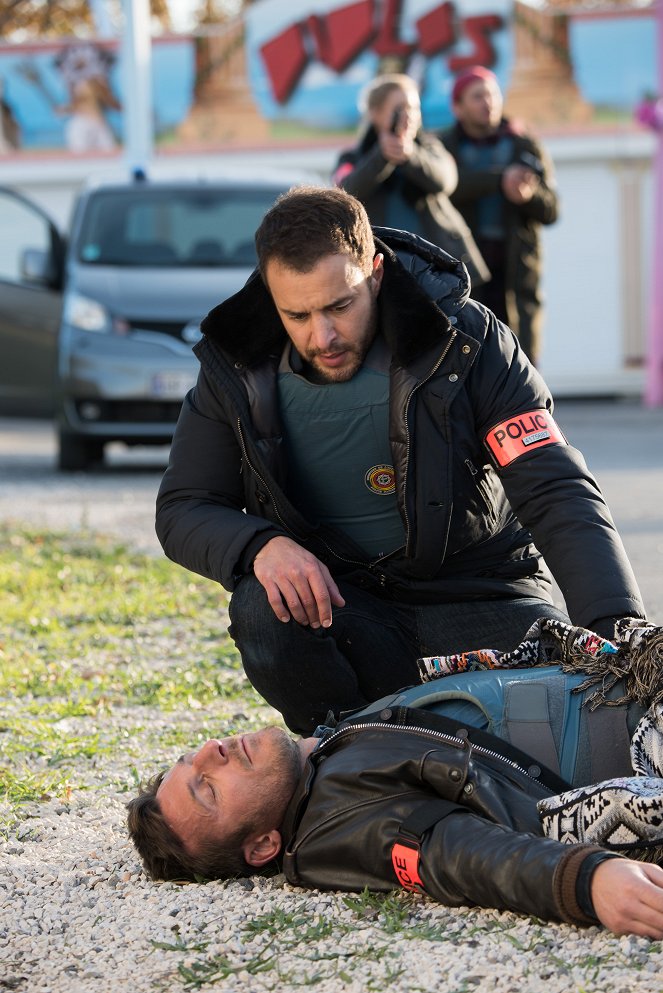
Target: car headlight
86, 314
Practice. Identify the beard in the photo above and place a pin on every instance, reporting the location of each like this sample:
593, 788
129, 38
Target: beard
355, 352
273, 794
318, 373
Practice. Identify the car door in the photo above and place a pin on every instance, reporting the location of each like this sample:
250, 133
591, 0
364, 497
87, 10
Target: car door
31, 260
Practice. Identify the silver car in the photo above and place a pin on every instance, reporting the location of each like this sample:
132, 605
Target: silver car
98, 330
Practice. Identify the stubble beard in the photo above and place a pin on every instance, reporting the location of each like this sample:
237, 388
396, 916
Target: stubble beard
321, 375
275, 794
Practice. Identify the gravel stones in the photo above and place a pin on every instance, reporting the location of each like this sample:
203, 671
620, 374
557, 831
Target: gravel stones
77, 914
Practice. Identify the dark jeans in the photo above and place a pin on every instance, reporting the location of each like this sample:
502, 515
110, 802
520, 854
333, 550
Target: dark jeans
370, 650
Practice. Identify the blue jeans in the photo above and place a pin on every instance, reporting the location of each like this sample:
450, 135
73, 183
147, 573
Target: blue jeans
370, 650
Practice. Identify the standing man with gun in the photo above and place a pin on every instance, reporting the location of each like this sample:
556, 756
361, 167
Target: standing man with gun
505, 192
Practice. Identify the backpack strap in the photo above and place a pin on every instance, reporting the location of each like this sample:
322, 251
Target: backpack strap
527, 720
609, 742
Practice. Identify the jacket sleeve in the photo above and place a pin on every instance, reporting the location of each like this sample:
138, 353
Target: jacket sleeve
542, 208
362, 175
473, 184
551, 490
466, 859
431, 168
200, 520
544, 205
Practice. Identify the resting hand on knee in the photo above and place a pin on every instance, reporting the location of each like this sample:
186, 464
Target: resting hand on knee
297, 584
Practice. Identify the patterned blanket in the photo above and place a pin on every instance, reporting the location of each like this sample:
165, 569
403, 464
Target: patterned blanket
624, 814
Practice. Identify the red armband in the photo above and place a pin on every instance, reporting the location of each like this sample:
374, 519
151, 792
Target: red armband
521, 434
405, 860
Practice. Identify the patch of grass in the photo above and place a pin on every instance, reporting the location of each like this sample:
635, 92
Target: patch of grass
90, 628
30, 787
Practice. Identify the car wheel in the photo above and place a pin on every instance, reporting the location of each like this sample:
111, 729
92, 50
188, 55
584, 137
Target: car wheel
78, 452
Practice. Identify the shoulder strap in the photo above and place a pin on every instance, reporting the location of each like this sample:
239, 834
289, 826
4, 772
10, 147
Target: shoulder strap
406, 850
527, 718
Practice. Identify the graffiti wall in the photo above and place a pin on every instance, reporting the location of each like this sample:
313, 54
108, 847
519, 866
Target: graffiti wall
287, 73
69, 96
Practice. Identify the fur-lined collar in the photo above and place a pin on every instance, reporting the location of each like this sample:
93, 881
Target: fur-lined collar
421, 285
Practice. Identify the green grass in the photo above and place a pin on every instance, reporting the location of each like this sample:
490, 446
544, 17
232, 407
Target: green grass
91, 628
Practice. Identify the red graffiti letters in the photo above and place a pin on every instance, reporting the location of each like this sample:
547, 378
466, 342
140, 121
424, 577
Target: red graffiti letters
338, 37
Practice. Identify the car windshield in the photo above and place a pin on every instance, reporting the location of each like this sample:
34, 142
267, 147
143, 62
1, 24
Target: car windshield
149, 226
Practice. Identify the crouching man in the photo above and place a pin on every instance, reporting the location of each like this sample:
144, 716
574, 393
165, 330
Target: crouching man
396, 797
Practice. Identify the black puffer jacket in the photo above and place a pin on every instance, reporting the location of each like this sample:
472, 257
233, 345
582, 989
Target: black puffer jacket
522, 249
466, 804
455, 374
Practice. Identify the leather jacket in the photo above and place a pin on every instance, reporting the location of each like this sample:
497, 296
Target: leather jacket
473, 529
461, 803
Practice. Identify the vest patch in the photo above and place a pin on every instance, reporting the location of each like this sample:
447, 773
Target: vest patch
381, 479
405, 861
521, 434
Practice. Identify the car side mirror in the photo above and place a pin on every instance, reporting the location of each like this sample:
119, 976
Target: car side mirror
37, 266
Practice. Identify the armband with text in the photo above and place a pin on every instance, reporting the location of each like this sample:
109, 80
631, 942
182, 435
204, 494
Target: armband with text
405, 860
521, 434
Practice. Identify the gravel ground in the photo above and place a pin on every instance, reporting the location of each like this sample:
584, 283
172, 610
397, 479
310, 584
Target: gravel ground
78, 916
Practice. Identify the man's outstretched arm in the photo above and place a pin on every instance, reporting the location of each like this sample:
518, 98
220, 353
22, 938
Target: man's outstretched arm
469, 860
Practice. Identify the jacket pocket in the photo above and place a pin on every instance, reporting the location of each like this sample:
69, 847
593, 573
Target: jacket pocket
487, 493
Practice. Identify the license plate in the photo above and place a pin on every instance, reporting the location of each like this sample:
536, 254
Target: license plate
172, 385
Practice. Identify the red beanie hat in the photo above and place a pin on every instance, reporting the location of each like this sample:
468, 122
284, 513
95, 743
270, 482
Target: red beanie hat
471, 75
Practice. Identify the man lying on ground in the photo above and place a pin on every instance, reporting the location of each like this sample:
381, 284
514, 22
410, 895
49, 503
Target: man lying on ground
397, 796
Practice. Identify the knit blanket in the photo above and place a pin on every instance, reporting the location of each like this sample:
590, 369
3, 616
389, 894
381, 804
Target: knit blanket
635, 655
623, 814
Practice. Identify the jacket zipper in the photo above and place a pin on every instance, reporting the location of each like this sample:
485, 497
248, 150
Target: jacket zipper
424, 732
429, 733
342, 558
407, 429
285, 526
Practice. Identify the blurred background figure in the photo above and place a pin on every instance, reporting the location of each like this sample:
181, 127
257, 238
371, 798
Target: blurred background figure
505, 192
404, 175
10, 132
85, 68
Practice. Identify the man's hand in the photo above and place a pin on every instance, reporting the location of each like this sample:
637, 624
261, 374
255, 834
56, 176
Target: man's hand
297, 584
628, 897
519, 184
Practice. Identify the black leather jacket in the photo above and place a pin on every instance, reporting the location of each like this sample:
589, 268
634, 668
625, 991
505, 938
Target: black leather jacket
456, 372
460, 809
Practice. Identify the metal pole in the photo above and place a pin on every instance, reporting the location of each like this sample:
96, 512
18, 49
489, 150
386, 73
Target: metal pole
137, 104
654, 382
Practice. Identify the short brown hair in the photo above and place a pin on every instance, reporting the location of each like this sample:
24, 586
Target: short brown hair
163, 854
310, 222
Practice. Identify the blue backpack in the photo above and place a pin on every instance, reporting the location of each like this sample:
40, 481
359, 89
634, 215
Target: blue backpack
578, 733
536, 711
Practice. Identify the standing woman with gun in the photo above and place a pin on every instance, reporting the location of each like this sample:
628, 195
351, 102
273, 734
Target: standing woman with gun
404, 175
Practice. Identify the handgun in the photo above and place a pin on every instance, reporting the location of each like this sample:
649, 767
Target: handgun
395, 120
